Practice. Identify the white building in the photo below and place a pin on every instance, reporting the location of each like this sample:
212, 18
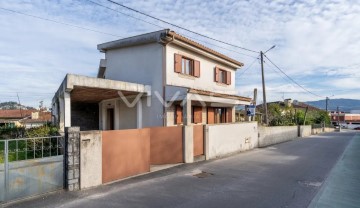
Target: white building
155, 79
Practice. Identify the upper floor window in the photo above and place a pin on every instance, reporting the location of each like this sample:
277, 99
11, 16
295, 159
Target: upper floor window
222, 76
185, 65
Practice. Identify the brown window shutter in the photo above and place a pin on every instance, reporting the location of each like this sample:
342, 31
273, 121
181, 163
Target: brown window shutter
216, 74
177, 63
228, 78
197, 114
178, 115
197, 68
210, 115
229, 115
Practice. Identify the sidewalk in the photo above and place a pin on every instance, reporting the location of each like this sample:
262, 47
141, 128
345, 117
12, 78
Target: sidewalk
342, 187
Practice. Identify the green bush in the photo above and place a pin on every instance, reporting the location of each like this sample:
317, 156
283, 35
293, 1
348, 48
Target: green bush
21, 132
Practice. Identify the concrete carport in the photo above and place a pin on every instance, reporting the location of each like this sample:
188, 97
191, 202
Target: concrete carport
82, 101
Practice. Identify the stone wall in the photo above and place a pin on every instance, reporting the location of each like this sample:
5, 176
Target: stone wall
72, 158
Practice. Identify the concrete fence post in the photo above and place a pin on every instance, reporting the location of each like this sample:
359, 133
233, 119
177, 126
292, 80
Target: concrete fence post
188, 141
72, 158
206, 142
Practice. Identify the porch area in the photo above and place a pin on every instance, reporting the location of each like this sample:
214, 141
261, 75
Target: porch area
190, 106
95, 104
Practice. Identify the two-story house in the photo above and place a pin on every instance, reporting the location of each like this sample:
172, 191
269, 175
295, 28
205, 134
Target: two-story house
154, 79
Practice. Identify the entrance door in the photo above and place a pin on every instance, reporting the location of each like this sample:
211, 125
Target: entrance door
110, 119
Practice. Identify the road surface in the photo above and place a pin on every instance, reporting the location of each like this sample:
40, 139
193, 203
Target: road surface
284, 175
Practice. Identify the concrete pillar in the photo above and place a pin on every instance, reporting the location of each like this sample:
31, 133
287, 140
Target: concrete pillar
61, 115
206, 142
117, 114
233, 114
103, 117
72, 158
100, 116
139, 114
91, 162
187, 111
67, 103
188, 143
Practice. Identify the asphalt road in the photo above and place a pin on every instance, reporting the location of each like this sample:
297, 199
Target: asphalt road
285, 175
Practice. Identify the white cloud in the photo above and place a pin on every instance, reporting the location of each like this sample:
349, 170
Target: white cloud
317, 42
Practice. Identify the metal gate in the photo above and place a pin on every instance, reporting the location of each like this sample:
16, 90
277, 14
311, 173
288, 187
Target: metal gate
30, 167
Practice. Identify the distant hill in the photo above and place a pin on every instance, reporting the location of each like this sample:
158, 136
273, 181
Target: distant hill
344, 104
11, 105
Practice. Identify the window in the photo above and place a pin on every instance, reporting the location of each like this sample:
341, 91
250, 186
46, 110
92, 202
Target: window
185, 65
219, 115
178, 114
196, 114
222, 76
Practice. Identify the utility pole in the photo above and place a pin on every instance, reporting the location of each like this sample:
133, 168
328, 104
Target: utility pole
263, 86
307, 108
266, 117
338, 116
327, 103
254, 103
17, 94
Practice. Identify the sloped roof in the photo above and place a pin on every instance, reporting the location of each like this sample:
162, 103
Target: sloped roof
43, 117
202, 47
15, 113
162, 36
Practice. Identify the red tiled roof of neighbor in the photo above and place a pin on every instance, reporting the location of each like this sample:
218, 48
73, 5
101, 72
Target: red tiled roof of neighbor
15, 113
43, 117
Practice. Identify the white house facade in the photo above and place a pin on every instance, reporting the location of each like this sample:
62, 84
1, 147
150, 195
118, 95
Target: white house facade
155, 79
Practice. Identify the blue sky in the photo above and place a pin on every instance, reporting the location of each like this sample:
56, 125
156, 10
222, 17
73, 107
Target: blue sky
317, 42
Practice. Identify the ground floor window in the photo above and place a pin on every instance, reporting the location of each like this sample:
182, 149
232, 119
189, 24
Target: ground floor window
219, 115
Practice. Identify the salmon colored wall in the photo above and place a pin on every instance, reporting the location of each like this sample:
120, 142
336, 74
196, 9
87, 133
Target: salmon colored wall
198, 140
166, 145
125, 153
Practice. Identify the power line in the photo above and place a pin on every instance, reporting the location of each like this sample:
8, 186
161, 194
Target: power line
98, 4
58, 22
191, 37
183, 28
243, 72
205, 42
292, 78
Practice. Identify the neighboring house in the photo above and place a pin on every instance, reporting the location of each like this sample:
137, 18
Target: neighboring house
37, 119
345, 118
25, 118
155, 79
12, 118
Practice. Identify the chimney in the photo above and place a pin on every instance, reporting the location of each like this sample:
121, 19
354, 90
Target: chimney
288, 102
35, 115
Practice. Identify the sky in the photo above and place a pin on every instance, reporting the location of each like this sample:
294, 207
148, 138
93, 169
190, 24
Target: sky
317, 42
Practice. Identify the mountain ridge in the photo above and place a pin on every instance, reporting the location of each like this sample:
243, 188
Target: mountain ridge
344, 104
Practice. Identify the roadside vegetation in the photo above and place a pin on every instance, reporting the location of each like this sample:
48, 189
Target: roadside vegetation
288, 116
21, 132
41, 145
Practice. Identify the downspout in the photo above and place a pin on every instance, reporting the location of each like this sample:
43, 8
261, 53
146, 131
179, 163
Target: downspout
164, 41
